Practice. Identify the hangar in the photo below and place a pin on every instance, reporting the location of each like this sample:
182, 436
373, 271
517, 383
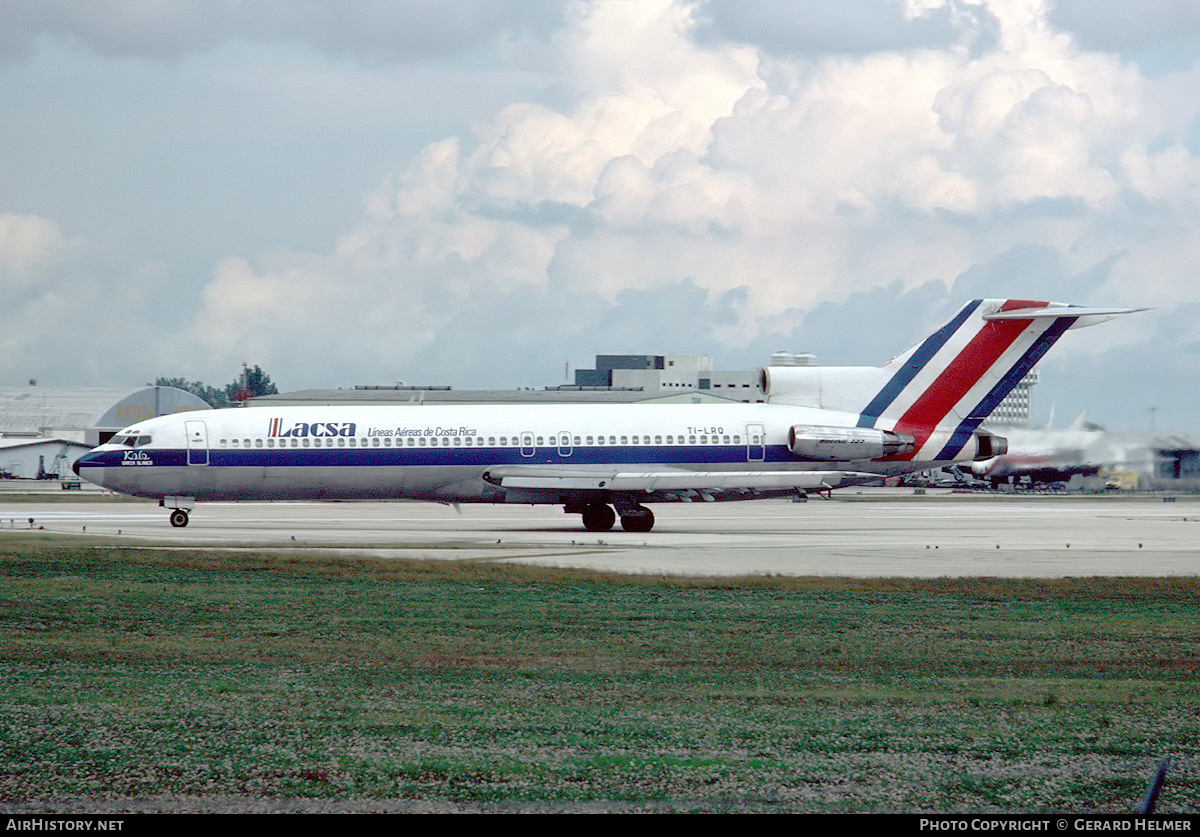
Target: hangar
43, 429
38, 459
1177, 463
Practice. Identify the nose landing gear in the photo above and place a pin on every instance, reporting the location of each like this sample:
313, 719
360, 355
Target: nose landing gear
179, 506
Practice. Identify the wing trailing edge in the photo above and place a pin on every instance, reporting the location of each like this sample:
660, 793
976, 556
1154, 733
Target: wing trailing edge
574, 479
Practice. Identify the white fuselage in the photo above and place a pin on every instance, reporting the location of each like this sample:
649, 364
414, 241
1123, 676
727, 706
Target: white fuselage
442, 453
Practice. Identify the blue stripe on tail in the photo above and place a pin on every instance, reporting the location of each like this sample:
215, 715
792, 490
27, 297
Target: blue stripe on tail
962, 434
913, 366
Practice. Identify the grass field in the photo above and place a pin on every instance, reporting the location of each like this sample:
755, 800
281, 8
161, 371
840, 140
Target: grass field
134, 679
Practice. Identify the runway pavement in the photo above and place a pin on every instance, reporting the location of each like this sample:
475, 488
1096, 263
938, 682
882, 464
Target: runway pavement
868, 533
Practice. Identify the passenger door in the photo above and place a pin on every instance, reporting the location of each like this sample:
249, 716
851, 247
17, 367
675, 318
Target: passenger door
197, 442
756, 450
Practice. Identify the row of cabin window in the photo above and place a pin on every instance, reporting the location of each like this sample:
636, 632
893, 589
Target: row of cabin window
474, 441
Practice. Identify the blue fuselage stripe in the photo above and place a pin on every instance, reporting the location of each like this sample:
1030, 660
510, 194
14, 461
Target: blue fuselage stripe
483, 457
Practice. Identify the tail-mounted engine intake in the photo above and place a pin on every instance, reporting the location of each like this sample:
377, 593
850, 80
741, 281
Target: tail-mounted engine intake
838, 444
988, 445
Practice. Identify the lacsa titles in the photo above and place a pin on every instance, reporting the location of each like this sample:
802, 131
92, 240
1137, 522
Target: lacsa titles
324, 429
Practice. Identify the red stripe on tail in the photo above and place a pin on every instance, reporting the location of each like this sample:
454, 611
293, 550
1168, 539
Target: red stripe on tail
976, 358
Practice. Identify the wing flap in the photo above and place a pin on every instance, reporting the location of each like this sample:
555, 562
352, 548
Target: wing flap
569, 479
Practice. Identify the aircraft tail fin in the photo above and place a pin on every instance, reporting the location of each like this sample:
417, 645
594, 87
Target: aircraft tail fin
954, 378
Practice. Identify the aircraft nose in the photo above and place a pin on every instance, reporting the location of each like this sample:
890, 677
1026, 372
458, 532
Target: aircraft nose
75, 467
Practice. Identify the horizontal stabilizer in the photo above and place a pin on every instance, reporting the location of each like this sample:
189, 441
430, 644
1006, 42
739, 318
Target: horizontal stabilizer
1053, 311
583, 479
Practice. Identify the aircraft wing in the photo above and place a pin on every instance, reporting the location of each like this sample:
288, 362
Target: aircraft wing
565, 478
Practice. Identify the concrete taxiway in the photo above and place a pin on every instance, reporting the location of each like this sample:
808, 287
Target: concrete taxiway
868, 533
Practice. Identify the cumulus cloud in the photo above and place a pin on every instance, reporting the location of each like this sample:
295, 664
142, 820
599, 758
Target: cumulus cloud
75, 311
725, 179
756, 189
29, 244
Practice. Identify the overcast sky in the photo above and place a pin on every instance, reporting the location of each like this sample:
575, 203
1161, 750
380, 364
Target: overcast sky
484, 193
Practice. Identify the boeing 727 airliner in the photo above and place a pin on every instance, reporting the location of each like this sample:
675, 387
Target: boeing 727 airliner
820, 428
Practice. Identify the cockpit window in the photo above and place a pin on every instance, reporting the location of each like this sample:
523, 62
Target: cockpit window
130, 440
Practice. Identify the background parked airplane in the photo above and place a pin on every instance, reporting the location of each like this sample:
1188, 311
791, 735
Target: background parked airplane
1050, 456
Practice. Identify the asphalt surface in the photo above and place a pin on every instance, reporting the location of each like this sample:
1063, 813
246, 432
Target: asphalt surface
870, 532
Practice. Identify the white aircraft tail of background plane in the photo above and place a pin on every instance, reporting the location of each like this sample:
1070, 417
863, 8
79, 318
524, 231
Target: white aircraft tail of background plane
1049, 456
820, 428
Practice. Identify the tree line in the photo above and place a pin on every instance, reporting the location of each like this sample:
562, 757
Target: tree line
252, 383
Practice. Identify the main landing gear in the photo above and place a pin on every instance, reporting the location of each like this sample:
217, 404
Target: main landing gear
599, 517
